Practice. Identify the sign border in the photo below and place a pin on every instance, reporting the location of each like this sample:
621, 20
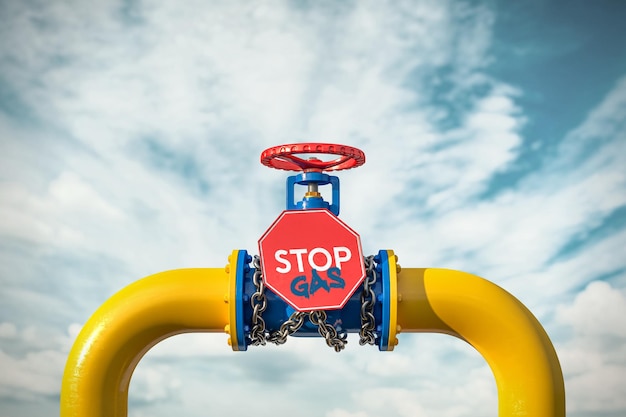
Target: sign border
341, 223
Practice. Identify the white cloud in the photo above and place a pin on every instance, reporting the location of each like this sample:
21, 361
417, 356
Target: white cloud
516, 237
397, 401
126, 91
73, 194
470, 399
210, 87
603, 122
593, 357
154, 384
34, 368
36, 218
192, 345
35, 373
483, 146
337, 412
398, 365
7, 330
597, 312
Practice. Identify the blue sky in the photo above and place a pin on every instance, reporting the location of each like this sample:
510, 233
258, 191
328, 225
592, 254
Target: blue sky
495, 136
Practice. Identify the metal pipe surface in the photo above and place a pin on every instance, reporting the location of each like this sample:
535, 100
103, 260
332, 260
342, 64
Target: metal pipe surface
512, 341
514, 344
127, 325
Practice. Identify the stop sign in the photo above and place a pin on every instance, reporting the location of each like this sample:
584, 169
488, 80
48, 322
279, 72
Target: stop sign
311, 259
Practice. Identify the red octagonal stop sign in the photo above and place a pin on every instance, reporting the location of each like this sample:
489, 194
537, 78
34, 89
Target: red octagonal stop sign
311, 259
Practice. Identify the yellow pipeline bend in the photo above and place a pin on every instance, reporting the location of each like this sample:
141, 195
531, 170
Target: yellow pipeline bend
514, 344
126, 326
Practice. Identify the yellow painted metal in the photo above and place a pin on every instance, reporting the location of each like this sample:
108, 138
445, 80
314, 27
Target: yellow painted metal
514, 344
125, 327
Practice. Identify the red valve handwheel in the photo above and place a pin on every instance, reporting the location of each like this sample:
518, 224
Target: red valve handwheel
284, 157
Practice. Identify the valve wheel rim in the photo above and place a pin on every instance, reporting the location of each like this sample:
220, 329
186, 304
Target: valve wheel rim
284, 157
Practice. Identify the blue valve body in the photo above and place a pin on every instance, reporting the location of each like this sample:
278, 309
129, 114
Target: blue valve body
347, 319
316, 179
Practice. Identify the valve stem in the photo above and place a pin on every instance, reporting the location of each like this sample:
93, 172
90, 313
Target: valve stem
312, 191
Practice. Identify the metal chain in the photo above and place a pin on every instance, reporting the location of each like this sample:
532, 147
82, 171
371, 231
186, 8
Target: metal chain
335, 340
368, 300
258, 300
292, 325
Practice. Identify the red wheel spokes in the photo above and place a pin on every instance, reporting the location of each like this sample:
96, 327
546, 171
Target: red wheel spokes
284, 157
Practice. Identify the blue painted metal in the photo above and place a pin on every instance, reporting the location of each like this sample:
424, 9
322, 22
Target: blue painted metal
243, 268
313, 202
347, 319
382, 268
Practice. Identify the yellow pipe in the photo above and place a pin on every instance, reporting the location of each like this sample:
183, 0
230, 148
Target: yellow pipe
524, 363
514, 344
126, 326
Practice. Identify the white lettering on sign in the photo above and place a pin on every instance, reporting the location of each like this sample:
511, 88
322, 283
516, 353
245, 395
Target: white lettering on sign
340, 254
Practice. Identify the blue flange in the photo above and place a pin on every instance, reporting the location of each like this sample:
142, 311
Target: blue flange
388, 270
346, 319
383, 343
243, 267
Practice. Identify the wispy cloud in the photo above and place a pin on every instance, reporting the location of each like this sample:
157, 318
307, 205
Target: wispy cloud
594, 355
35, 372
130, 135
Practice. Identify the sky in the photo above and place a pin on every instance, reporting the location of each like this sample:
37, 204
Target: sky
495, 137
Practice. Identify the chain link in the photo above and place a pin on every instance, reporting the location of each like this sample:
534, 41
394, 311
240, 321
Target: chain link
258, 301
337, 340
258, 334
368, 300
333, 339
292, 325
